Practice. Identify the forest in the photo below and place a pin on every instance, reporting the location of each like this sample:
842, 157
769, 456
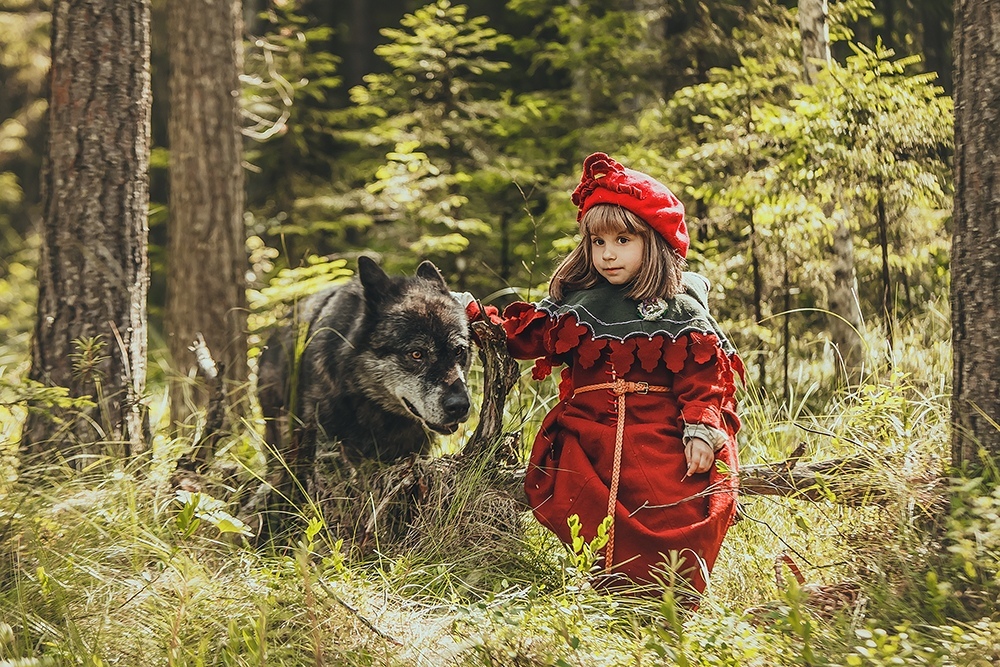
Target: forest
176, 175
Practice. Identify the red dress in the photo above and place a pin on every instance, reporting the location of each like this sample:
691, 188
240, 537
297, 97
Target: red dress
600, 337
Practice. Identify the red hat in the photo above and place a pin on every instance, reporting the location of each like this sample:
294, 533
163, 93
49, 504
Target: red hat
605, 181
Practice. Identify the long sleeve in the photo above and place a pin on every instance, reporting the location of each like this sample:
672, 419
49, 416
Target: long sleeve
704, 387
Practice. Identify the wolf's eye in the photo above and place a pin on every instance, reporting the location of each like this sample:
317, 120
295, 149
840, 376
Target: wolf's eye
416, 355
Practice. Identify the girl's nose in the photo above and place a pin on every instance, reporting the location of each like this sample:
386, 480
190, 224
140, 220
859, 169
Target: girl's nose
609, 252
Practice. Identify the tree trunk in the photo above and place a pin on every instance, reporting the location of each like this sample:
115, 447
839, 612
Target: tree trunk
93, 274
206, 281
758, 300
888, 302
845, 322
579, 77
975, 254
652, 14
845, 325
815, 32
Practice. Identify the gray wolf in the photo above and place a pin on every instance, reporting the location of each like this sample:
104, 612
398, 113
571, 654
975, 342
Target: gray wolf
378, 363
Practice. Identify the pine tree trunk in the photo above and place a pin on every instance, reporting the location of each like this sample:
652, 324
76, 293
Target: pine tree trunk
975, 254
93, 274
206, 281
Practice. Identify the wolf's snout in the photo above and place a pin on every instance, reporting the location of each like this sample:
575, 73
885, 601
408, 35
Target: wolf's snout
456, 404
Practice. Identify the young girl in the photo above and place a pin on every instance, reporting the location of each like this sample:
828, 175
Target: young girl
647, 396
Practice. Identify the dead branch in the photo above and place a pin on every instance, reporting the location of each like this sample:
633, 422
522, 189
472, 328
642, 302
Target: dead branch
500, 374
847, 480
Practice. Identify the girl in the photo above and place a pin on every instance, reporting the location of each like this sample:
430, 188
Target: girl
647, 396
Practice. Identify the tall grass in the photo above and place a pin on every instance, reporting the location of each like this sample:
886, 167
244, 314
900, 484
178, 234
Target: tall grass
110, 565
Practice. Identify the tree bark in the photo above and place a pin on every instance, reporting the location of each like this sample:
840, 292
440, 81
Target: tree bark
206, 281
845, 323
93, 274
815, 32
758, 299
975, 254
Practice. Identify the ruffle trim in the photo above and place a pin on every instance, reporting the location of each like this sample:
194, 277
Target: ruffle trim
518, 316
674, 330
569, 334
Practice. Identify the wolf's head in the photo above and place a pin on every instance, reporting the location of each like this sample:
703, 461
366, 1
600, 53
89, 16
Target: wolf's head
418, 352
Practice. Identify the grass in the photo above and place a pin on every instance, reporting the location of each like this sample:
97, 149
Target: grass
109, 566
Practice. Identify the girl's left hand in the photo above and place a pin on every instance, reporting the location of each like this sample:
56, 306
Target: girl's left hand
699, 456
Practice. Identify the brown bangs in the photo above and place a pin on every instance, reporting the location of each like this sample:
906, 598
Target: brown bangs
659, 277
613, 219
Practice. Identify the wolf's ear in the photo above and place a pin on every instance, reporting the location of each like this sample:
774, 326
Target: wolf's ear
428, 271
373, 279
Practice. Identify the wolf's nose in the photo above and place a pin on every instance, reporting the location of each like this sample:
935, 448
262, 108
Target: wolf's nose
456, 405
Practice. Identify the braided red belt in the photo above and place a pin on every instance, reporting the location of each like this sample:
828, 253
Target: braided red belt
619, 388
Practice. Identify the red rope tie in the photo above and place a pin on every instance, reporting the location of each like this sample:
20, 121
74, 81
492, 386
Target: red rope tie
619, 388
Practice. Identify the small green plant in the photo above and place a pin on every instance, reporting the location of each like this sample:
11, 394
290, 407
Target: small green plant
581, 556
198, 507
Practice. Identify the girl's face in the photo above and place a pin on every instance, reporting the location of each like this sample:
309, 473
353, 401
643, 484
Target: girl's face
617, 256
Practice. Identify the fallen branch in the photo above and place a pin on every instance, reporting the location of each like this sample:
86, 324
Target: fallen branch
357, 614
846, 480
833, 480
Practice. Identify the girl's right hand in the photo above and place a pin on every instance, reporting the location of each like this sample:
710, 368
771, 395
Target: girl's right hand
699, 456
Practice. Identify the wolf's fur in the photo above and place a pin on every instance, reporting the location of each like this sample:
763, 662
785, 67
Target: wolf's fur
383, 364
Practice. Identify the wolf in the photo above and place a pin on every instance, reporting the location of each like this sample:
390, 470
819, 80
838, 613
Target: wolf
378, 363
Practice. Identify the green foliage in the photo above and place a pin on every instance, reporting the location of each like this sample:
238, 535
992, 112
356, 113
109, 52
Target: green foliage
581, 556
771, 166
199, 507
290, 285
450, 152
447, 182
973, 544
609, 50
288, 104
24, 61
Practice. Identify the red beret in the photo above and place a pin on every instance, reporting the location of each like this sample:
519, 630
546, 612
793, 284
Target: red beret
605, 181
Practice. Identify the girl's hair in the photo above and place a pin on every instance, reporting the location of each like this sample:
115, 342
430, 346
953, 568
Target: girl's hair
659, 275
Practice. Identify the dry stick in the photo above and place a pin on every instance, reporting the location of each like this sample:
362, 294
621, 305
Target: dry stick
812, 481
500, 374
357, 614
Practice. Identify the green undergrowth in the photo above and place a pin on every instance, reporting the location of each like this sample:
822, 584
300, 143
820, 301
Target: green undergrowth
114, 565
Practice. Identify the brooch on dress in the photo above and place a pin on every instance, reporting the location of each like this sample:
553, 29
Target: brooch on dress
652, 309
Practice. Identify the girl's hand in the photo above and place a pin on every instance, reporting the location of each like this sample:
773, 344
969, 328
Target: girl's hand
699, 456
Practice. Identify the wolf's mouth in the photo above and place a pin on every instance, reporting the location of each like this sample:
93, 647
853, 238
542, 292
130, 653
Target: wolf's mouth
443, 429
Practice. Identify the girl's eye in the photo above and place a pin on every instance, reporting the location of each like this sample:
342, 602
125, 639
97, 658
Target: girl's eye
622, 240
598, 241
